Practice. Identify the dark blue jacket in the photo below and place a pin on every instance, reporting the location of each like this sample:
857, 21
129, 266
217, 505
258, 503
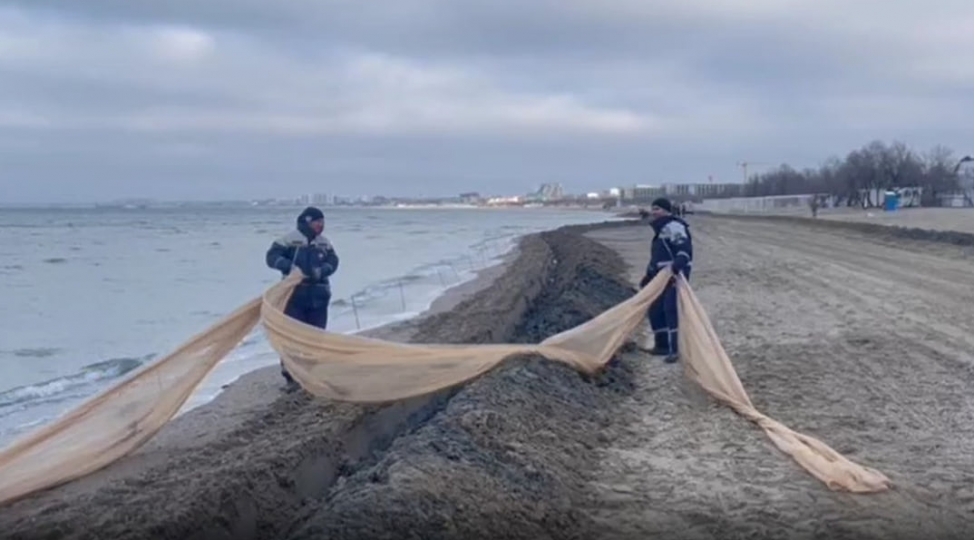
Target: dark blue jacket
671, 246
313, 255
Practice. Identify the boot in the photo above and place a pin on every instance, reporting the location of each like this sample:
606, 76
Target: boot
655, 345
290, 384
671, 356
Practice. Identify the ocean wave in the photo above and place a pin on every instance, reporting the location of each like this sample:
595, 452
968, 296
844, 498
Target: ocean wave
436, 275
70, 386
35, 352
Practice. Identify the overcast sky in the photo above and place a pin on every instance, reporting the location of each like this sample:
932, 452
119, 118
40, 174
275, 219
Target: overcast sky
207, 99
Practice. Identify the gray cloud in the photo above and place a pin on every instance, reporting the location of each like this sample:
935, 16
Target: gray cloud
223, 98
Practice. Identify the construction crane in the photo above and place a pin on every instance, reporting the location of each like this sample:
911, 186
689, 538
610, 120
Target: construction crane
744, 168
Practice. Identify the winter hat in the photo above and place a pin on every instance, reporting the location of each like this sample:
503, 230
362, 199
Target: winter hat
310, 214
663, 204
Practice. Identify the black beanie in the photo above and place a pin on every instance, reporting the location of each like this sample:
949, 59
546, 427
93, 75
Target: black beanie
663, 204
310, 214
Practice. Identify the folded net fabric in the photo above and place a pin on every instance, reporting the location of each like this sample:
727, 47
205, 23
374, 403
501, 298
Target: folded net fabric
357, 369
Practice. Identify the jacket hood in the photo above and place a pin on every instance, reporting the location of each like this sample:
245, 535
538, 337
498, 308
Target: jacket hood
304, 221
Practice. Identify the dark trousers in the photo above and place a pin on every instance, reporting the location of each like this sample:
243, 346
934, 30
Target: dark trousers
313, 315
309, 310
663, 318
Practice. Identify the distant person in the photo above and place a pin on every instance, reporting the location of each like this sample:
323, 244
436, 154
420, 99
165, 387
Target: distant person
671, 247
312, 253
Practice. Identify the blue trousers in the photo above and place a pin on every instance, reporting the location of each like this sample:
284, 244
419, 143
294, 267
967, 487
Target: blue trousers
309, 304
663, 318
315, 316
310, 307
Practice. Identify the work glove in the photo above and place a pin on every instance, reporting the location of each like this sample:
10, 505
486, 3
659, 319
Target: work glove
678, 265
283, 265
678, 270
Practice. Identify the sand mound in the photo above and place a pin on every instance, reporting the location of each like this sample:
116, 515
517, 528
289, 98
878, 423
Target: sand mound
508, 455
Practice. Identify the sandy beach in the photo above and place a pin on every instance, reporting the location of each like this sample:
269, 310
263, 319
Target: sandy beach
863, 341
959, 220
942, 219
858, 336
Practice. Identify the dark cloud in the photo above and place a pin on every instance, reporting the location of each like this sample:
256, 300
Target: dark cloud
209, 98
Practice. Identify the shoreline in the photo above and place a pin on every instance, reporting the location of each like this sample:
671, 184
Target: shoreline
450, 298
275, 450
259, 388
263, 378
395, 330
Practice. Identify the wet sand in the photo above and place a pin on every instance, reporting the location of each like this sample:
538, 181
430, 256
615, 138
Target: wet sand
857, 338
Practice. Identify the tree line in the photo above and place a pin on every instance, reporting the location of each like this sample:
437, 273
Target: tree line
875, 167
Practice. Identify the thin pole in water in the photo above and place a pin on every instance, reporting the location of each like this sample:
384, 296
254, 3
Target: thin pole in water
355, 311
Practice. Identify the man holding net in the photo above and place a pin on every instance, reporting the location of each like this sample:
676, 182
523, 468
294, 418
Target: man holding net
312, 253
671, 247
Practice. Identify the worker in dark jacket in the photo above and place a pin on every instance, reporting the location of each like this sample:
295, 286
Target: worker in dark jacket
671, 247
309, 251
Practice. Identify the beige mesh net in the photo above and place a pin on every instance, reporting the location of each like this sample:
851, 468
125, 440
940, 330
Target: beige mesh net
357, 369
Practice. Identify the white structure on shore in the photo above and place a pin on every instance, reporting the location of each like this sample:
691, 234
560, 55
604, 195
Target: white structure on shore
756, 204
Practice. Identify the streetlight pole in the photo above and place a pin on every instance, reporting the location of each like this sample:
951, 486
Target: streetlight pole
964, 189
744, 168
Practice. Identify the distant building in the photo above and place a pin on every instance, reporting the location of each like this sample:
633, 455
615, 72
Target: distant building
548, 192
641, 193
471, 197
718, 190
322, 199
504, 201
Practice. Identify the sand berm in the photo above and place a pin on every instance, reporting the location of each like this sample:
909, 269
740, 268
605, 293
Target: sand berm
502, 457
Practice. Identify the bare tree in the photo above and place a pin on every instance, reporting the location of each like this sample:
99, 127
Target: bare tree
861, 177
940, 174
